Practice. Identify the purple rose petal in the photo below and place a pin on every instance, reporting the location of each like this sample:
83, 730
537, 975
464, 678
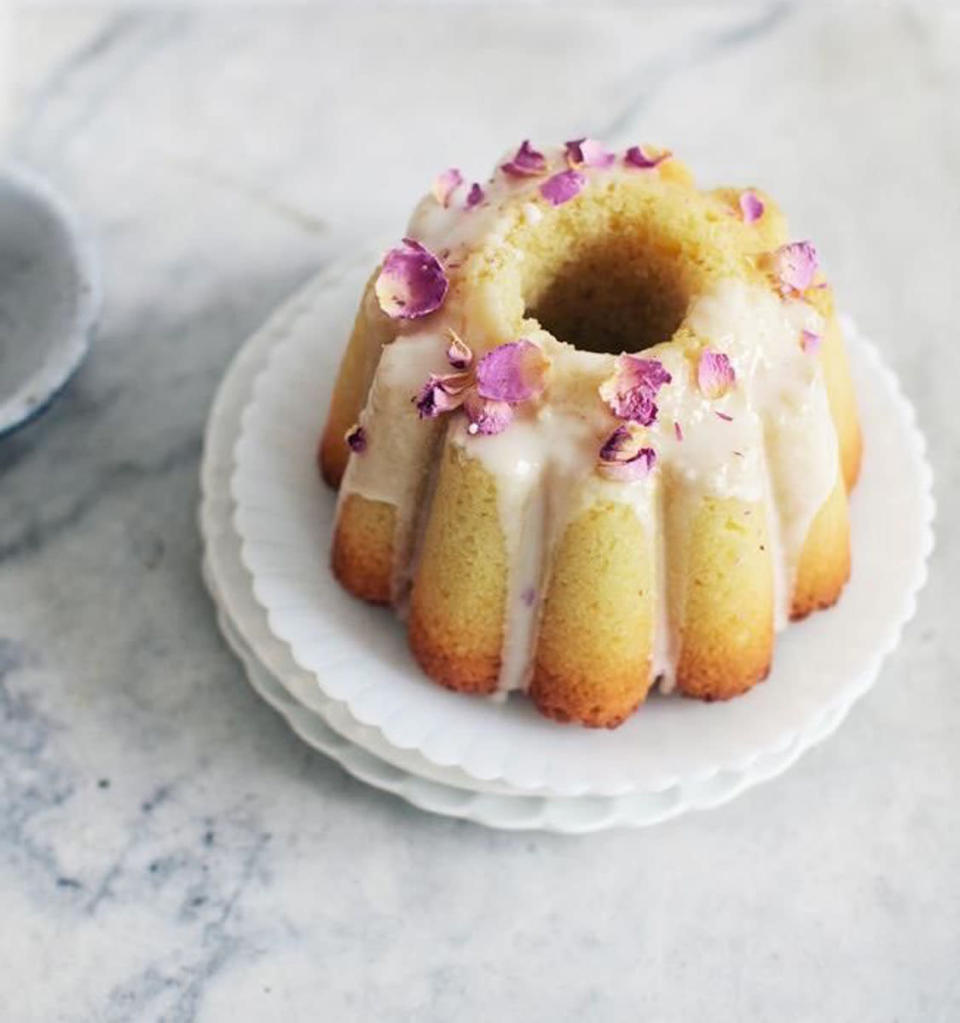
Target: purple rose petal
412, 282
512, 372
526, 162
645, 157
459, 354
715, 374
446, 184
751, 207
441, 394
487, 417
475, 196
622, 444
588, 153
810, 341
356, 438
631, 390
562, 187
624, 458
794, 266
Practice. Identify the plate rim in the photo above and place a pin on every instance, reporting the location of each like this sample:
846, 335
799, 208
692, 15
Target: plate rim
572, 815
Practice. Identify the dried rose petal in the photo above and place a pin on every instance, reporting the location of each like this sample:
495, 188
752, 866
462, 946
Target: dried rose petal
794, 266
412, 282
588, 153
810, 341
356, 438
562, 187
677, 430
441, 394
715, 375
459, 354
751, 207
525, 163
512, 372
635, 469
632, 388
645, 157
475, 196
623, 457
445, 184
622, 444
486, 417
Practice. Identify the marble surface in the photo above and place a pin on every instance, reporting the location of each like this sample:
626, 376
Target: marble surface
168, 850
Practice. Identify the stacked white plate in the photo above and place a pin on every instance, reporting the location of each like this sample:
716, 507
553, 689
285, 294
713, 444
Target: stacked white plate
340, 672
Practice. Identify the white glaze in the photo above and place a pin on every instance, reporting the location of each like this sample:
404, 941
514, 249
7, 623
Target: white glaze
397, 462
543, 467
777, 448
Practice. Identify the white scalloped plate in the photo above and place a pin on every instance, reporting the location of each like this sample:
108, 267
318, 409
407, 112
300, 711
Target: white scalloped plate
327, 725
358, 654
566, 814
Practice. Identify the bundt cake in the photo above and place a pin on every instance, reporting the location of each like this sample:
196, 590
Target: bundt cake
594, 430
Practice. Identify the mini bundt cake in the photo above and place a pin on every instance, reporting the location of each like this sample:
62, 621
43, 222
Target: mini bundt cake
594, 429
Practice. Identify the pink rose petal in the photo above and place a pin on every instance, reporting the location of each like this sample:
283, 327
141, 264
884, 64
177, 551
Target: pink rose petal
588, 153
459, 354
526, 162
562, 187
810, 341
412, 282
445, 184
645, 157
486, 417
751, 207
631, 390
794, 266
475, 196
441, 394
715, 375
622, 444
512, 372
356, 438
624, 458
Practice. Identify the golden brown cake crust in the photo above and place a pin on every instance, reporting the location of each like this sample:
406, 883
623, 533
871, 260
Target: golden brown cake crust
362, 555
459, 594
595, 642
725, 584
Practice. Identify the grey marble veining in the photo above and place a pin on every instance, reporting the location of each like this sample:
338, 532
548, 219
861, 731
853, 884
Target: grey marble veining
168, 851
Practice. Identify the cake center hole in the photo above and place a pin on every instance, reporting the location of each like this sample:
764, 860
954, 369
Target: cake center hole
611, 296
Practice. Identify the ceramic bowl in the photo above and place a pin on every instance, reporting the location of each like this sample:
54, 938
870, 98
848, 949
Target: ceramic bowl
49, 296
